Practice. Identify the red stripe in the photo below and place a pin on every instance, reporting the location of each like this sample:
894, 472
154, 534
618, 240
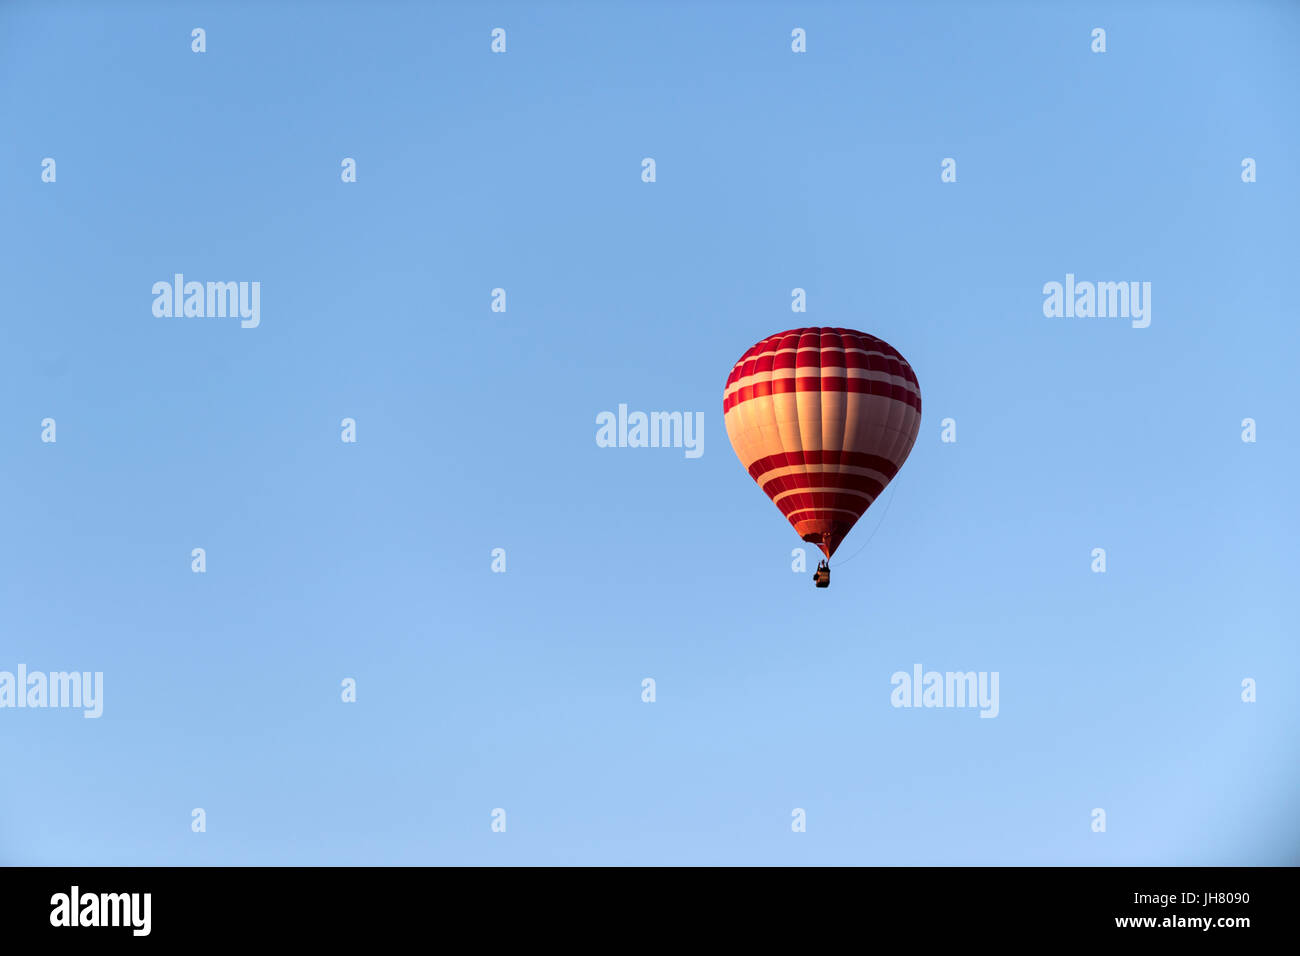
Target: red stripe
827, 383
809, 359
790, 459
798, 503
823, 479
814, 514
876, 360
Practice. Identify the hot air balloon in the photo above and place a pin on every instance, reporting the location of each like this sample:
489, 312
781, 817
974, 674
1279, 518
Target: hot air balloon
822, 419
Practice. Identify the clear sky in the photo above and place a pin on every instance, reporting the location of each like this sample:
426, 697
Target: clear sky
476, 430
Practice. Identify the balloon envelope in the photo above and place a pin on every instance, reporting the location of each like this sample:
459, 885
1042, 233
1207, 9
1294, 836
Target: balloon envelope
822, 419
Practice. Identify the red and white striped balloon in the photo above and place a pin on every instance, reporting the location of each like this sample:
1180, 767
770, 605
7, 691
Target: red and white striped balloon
822, 419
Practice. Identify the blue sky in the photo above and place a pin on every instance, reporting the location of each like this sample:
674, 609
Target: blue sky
476, 430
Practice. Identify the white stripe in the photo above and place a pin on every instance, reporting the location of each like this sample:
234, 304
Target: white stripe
787, 470
815, 348
865, 374
844, 511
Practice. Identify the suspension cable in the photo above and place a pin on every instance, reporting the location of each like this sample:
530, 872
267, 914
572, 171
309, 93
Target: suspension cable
888, 505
